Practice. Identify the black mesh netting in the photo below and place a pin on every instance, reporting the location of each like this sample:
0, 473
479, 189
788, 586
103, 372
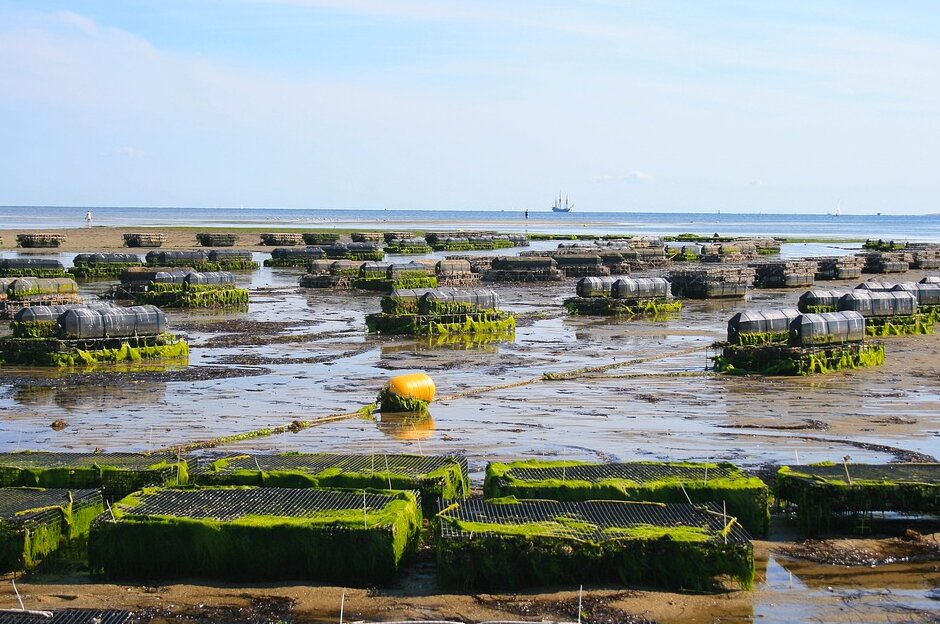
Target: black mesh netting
588, 520
411, 465
40, 503
129, 461
638, 472
230, 504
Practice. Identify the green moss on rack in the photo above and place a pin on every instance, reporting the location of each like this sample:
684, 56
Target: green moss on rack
492, 322
24, 547
913, 325
745, 496
774, 360
608, 306
49, 352
114, 481
101, 271
287, 263
348, 546
34, 329
817, 309
408, 249
33, 273
193, 297
447, 482
388, 285
503, 556
821, 503
762, 338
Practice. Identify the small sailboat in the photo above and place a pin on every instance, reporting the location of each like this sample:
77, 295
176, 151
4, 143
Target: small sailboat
559, 207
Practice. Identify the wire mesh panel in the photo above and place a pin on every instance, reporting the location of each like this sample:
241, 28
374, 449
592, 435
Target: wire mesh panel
634, 471
28, 505
531, 543
588, 520
117, 474
35, 522
231, 504
249, 533
435, 476
68, 616
745, 497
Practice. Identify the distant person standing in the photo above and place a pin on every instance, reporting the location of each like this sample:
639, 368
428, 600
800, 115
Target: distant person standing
526, 215
88, 218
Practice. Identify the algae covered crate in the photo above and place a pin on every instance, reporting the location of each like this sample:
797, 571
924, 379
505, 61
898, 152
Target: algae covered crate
745, 497
825, 495
255, 534
35, 522
508, 544
435, 476
116, 474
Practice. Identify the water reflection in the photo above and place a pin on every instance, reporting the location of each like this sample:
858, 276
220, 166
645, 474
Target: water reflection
409, 426
84, 398
454, 342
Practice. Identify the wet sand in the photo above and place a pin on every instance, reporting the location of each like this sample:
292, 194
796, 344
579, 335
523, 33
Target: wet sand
298, 354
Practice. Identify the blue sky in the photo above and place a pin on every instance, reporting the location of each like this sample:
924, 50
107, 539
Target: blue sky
624, 105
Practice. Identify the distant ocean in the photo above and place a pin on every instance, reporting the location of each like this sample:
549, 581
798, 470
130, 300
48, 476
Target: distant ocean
899, 227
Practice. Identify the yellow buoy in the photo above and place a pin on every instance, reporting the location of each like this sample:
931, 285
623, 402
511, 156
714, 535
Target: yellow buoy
407, 393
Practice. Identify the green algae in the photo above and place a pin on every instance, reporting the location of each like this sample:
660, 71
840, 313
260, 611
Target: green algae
26, 272
23, 545
446, 482
608, 306
913, 325
34, 329
51, 352
822, 503
794, 361
193, 296
746, 497
351, 546
114, 481
101, 271
501, 556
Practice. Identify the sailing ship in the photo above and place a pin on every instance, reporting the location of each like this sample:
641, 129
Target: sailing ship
559, 207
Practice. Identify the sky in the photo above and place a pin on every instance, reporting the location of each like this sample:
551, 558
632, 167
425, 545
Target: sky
625, 105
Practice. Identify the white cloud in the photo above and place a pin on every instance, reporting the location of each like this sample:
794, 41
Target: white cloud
757, 182
638, 177
129, 151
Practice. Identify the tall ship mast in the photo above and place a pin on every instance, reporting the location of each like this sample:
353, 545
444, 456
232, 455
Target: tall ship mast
562, 207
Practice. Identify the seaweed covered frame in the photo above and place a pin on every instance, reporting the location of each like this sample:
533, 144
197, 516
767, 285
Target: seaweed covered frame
24, 547
483, 555
447, 482
746, 497
781, 360
821, 501
115, 481
52, 352
609, 306
351, 546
